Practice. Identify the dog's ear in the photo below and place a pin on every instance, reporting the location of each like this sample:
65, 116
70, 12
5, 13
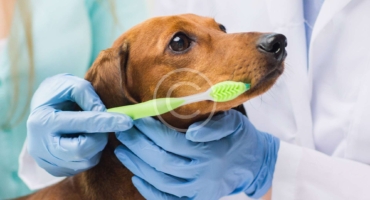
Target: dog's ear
108, 75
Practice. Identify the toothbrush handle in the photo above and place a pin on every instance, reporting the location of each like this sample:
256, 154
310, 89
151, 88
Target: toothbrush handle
149, 108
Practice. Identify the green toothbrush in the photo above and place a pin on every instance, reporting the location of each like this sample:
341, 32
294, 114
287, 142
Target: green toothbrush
220, 92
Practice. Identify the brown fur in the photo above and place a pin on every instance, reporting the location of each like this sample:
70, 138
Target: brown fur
130, 70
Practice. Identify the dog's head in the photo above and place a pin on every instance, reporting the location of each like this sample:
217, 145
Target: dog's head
183, 55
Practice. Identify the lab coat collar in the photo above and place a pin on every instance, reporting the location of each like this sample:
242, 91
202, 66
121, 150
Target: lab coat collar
327, 12
285, 12
290, 12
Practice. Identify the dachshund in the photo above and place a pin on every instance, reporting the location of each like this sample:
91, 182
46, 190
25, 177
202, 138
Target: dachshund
172, 56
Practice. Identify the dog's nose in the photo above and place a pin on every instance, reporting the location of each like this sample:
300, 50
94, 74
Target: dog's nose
273, 44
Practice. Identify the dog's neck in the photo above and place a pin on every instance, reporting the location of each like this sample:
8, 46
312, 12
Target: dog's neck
109, 179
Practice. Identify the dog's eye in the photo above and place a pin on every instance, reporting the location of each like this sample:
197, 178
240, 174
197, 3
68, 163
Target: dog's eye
180, 42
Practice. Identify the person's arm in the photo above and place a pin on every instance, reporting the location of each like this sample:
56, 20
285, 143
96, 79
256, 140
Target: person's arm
268, 195
302, 173
225, 156
6, 15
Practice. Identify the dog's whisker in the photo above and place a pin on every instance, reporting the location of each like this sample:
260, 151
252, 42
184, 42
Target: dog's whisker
283, 75
261, 99
288, 70
288, 65
272, 94
212, 12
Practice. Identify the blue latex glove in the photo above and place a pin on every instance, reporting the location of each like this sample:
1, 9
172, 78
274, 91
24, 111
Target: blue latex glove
65, 142
228, 155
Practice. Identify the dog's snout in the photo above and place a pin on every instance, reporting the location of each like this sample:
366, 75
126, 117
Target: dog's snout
273, 44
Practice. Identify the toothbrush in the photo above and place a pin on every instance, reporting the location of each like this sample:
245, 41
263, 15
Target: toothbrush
220, 92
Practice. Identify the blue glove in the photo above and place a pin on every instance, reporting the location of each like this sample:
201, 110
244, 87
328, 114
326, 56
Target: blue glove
228, 155
65, 142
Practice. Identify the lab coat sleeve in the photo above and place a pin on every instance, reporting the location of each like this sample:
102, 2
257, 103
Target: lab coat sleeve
31, 174
305, 174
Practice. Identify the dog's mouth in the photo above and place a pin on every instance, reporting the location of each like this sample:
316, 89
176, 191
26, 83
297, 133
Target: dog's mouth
276, 72
268, 78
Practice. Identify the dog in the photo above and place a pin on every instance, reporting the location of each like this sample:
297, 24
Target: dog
169, 50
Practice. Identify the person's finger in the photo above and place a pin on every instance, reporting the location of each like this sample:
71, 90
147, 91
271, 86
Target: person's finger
64, 122
220, 126
151, 193
168, 139
66, 87
91, 122
85, 96
76, 148
155, 156
73, 168
160, 180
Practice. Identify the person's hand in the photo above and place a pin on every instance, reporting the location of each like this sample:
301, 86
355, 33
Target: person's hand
228, 155
65, 142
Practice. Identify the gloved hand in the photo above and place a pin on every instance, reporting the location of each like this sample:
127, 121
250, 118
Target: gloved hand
228, 155
65, 142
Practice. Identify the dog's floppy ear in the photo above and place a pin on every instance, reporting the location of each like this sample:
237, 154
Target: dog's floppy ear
107, 75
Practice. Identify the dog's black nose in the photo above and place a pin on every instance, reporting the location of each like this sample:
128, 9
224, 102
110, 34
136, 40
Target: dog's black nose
273, 44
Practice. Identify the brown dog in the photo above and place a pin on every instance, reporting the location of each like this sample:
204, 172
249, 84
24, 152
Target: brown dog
169, 50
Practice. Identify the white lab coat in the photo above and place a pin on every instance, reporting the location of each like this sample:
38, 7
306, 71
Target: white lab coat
320, 111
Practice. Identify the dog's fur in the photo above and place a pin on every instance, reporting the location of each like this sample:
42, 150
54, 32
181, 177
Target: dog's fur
130, 70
